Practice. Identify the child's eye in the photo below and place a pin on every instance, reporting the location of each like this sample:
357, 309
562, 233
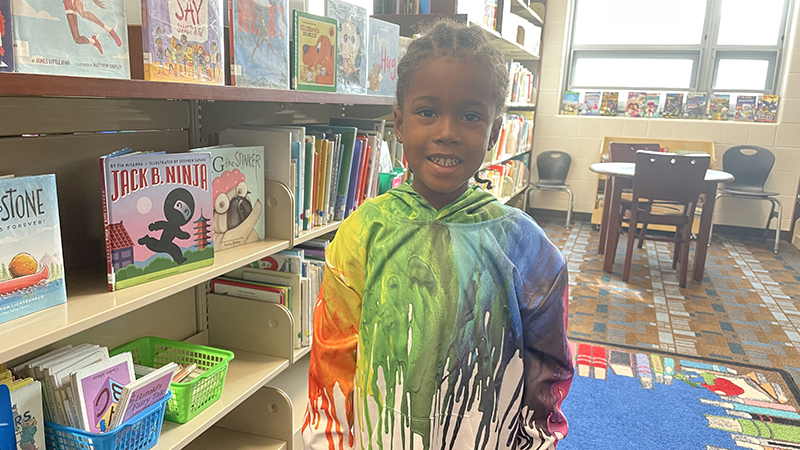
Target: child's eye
427, 113
470, 117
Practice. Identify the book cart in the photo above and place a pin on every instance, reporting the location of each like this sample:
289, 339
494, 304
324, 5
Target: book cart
62, 125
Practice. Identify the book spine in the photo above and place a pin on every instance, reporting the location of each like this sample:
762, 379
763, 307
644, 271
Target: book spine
294, 50
334, 184
308, 184
231, 18
147, 57
106, 229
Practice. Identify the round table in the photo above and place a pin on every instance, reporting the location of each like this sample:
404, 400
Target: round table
609, 241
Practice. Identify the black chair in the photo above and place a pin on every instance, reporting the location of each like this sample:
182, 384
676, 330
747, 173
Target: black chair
553, 168
751, 166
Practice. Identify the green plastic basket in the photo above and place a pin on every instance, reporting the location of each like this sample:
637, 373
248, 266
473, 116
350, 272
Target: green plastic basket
191, 398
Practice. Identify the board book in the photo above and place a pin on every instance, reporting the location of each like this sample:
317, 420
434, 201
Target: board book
314, 52
26, 406
157, 210
31, 262
138, 395
98, 388
382, 57
6, 37
259, 37
351, 49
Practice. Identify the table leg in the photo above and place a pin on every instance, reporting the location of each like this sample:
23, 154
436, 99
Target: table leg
706, 219
612, 233
601, 246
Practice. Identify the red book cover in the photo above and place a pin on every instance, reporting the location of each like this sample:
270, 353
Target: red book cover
247, 289
312, 221
599, 362
362, 172
584, 360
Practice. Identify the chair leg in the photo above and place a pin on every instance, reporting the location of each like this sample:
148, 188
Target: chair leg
569, 207
626, 271
676, 252
769, 220
778, 226
644, 231
685, 243
711, 229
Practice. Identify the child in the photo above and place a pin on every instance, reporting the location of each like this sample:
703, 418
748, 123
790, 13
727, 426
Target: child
442, 317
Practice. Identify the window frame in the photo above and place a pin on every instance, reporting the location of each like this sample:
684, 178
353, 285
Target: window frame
706, 55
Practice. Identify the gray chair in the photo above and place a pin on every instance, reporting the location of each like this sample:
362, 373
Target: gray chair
553, 168
751, 165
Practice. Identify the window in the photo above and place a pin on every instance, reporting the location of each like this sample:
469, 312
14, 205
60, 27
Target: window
731, 46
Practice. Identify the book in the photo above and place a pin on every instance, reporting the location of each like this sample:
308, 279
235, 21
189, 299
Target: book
348, 139
591, 104
138, 395
695, 106
259, 40
719, 106
767, 109
635, 105
382, 57
250, 290
71, 37
6, 37
351, 48
7, 436
745, 108
26, 407
651, 103
570, 103
31, 260
157, 211
608, 107
98, 388
182, 41
350, 202
237, 180
673, 106
314, 52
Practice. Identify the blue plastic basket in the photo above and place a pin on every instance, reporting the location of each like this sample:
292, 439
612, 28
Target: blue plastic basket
139, 433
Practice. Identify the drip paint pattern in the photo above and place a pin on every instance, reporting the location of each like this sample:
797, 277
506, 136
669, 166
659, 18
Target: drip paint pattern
439, 330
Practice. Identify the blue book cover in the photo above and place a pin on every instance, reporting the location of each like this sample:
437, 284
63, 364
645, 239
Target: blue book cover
6, 41
260, 43
298, 155
71, 37
384, 46
8, 440
351, 189
31, 262
351, 51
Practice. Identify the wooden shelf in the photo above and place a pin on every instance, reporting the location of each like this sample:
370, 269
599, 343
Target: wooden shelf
247, 373
521, 9
220, 438
18, 84
89, 304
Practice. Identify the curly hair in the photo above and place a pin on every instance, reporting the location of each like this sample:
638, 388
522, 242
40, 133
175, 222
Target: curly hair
446, 37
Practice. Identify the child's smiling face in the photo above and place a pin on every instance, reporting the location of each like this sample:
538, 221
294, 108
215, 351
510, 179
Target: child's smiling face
447, 124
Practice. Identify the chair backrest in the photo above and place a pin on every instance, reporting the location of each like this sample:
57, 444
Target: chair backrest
626, 152
553, 167
750, 165
669, 177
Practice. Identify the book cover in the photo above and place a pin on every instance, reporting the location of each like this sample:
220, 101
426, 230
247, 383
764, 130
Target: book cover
98, 388
351, 51
6, 40
570, 103
26, 406
745, 108
350, 202
7, 436
259, 37
719, 106
157, 213
314, 52
138, 395
282, 261
609, 105
382, 57
695, 106
767, 110
182, 41
71, 37
237, 180
264, 292
348, 139
651, 103
635, 104
673, 106
31, 262
591, 104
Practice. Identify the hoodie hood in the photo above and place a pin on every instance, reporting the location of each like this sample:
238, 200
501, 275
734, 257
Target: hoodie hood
473, 206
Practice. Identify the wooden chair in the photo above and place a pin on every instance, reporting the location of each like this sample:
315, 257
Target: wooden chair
626, 152
677, 179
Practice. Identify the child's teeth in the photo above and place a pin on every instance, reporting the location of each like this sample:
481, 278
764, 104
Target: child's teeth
446, 162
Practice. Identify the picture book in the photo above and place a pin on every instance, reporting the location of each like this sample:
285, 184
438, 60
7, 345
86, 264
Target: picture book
745, 108
314, 52
251, 290
591, 104
157, 211
259, 38
608, 107
138, 395
673, 106
237, 180
382, 57
767, 110
98, 388
635, 104
31, 262
695, 106
182, 41
719, 106
283, 261
570, 103
7, 436
26, 407
352, 50
651, 103
6, 37
71, 37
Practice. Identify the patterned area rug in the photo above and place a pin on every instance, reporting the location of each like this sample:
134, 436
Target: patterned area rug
628, 398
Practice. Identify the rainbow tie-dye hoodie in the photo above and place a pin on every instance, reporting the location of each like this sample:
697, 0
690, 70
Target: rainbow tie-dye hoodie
439, 330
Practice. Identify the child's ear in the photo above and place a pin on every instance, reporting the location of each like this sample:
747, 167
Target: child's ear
496, 127
398, 124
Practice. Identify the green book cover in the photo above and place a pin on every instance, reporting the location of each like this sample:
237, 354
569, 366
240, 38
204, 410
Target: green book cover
314, 51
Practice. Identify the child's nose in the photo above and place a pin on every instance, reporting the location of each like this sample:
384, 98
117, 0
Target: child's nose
447, 131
